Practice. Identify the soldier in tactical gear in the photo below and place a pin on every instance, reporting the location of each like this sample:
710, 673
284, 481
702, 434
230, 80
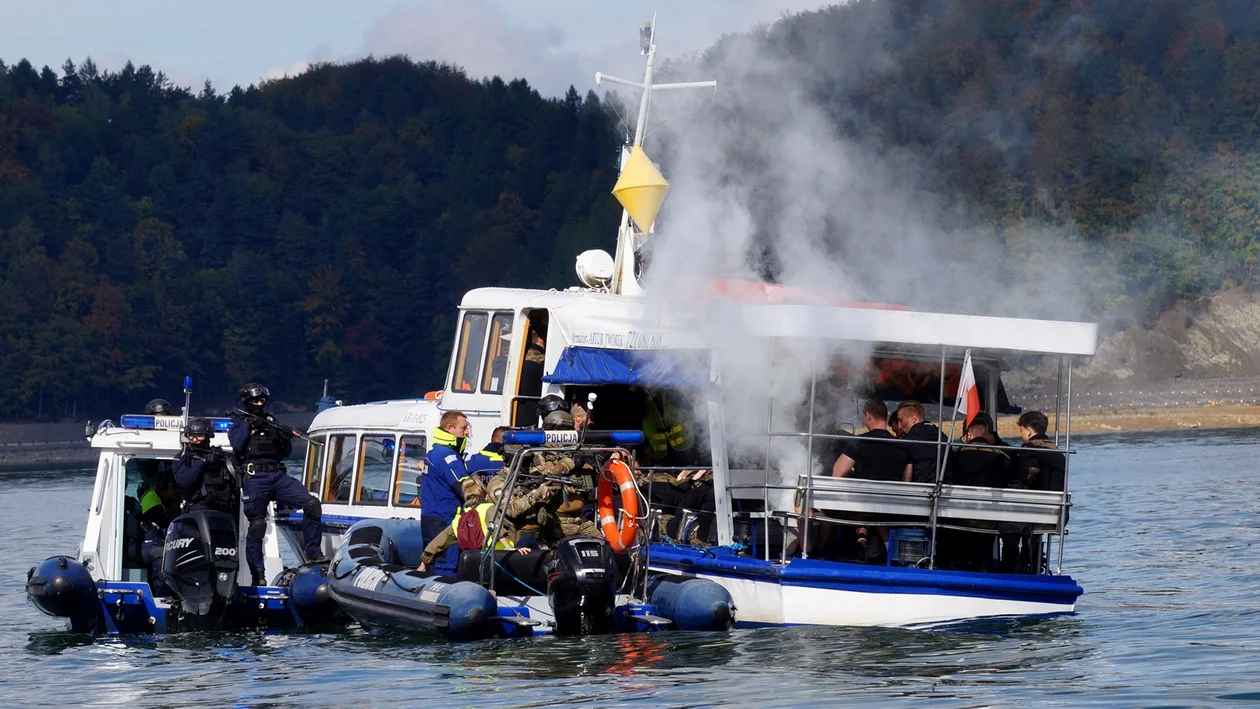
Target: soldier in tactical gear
563, 513
158, 407
206, 477
260, 447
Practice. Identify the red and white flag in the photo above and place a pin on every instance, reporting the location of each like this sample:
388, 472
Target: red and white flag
967, 400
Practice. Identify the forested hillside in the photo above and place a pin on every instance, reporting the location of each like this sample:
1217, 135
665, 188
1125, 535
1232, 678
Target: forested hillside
319, 226
325, 225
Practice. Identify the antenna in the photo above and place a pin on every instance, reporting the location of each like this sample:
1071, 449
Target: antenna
187, 398
623, 281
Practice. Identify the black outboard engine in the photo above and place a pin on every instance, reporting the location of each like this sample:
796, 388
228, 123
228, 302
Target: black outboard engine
199, 563
581, 585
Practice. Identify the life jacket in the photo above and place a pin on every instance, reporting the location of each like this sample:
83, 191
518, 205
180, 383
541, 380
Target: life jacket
443, 438
471, 529
664, 429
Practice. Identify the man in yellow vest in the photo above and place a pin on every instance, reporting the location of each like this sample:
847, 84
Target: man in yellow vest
475, 495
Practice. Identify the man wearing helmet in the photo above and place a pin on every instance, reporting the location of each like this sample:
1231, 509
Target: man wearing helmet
561, 515
261, 447
202, 471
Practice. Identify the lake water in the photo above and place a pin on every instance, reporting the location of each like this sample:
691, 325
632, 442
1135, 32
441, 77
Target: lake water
1165, 540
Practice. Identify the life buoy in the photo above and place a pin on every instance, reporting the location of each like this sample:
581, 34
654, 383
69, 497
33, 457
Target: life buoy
620, 538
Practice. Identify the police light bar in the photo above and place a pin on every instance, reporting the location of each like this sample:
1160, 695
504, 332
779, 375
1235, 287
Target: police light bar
571, 438
163, 423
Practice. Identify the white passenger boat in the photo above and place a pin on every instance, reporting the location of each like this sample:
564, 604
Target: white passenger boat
610, 338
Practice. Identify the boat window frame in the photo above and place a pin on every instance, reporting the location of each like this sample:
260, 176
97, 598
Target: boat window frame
396, 492
330, 459
497, 317
362, 462
314, 462
463, 346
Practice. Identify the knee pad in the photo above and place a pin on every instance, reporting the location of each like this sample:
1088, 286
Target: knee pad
257, 529
312, 509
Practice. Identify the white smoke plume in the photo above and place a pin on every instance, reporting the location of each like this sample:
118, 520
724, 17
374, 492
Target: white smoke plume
764, 185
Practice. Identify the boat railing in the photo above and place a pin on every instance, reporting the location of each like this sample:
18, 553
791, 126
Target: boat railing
520, 463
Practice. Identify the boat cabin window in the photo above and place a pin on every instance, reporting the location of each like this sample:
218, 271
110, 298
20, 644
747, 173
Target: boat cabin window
472, 335
411, 452
378, 461
343, 453
312, 469
143, 473
497, 353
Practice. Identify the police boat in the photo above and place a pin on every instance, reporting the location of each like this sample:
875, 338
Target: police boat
107, 588
791, 542
579, 586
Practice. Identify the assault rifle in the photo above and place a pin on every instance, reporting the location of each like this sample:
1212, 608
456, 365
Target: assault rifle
266, 421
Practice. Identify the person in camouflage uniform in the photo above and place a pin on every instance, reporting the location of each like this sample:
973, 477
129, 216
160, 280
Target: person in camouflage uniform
561, 515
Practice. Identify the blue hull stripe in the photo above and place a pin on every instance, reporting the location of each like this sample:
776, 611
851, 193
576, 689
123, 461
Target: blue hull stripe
861, 578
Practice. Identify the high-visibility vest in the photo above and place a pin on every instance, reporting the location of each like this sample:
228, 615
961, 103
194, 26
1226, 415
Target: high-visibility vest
663, 429
482, 510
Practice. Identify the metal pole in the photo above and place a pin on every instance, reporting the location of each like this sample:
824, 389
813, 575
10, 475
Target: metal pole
1058, 398
809, 455
940, 417
765, 489
721, 467
1067, 457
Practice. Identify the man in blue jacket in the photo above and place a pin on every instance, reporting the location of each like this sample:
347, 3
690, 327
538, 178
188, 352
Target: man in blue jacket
261, 448
490, 460
441, 483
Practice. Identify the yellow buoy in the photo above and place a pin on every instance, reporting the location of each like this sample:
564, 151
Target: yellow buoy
641, 189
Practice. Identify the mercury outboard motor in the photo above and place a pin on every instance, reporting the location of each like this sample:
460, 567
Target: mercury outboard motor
581, 585
199, 564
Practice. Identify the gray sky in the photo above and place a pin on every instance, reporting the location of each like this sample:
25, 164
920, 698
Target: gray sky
552, 43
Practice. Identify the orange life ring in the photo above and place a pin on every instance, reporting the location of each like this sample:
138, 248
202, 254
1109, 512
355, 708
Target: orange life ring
620, 538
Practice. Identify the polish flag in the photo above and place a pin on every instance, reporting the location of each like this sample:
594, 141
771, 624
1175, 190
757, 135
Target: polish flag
967, 401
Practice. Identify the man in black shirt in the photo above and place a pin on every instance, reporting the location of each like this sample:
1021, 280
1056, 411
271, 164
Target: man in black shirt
978, 466
874, 459
923, 456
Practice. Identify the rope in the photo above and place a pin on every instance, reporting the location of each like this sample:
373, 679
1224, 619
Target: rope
514, 578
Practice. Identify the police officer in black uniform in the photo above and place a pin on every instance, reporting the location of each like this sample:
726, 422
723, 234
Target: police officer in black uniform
261, 447
205, 475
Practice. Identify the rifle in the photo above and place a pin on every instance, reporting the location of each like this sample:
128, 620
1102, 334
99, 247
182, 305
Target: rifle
267, 421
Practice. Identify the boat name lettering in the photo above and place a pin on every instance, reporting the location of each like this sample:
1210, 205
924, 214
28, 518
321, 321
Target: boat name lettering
369, 578
633, 340
413, 417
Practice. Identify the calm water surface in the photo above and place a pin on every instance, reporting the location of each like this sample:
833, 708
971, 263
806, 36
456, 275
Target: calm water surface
1165, 539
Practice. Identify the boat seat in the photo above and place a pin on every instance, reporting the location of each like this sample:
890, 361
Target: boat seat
959, 506
523, 571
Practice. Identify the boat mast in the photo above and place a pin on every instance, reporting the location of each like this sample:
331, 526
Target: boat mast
623, 281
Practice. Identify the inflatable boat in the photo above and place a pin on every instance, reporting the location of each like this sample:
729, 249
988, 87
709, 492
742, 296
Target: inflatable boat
571, 589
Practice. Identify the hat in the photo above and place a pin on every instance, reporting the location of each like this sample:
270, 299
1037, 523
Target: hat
558, 420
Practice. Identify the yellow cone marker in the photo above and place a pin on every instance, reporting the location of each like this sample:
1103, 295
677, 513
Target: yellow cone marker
641, 189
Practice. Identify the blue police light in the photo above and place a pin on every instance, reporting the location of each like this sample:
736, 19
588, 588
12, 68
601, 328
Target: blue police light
144, 423
187, 383
539, 438
221, 424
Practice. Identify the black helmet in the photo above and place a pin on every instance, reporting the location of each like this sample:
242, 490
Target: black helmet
158, 406
551, 402
253, 391
558, 421
199, 427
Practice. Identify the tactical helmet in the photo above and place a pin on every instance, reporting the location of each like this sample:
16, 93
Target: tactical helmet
158, 406
253, 391
558, 421
199, 427
551, 402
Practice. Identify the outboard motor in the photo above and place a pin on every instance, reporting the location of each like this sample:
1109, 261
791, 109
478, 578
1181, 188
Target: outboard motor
199, 563
581, 586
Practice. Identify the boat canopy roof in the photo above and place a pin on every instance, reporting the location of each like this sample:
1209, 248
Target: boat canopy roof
406, 415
